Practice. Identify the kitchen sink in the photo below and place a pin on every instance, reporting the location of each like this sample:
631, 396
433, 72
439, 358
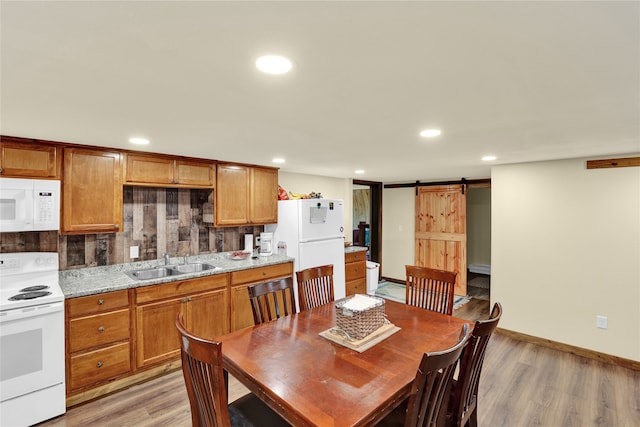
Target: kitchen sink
193, 267
153, 273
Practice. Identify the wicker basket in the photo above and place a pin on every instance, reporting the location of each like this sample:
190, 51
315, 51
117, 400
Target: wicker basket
358, 324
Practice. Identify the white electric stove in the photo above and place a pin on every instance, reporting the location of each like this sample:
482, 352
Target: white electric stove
32, 368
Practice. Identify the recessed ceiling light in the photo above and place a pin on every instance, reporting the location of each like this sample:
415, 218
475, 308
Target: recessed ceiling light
273, 64
359, 171
277, 160
489, 158
139, 141
430, 133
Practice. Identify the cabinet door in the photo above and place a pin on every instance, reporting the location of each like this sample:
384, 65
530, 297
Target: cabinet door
194, 174
241, 314
264, 196
92, 196
29, 159
157, 337
208, 314
232, 195
149, 170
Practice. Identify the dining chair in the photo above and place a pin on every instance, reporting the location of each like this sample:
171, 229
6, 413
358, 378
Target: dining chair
271, 300
430, 288
430, 388
463, 408
206, 383
315, 286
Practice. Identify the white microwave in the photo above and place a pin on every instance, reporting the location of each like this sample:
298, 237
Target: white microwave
29, 204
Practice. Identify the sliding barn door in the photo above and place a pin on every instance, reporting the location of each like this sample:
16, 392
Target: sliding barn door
441, 231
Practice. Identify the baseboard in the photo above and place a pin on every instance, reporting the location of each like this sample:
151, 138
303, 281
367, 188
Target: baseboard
578, 351
480, 268
389, 279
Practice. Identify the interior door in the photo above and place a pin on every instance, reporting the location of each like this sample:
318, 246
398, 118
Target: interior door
441, 230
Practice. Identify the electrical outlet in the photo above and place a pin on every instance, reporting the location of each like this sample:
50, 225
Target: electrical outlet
134, 252
602, 322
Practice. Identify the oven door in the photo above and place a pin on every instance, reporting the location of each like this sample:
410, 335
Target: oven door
16, 209
31, 349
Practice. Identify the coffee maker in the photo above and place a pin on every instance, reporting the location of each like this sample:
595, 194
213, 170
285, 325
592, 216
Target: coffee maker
266, 244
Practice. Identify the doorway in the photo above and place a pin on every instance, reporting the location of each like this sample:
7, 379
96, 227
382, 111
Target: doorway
479, 241
367, 218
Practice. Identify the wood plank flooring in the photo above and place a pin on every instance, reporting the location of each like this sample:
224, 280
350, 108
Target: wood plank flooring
522, 384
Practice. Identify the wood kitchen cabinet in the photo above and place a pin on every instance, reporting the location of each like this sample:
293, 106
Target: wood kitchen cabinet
246, 195
22, 158
92, 191
98, 339
166, 171
241, 314
204, 303
355, 268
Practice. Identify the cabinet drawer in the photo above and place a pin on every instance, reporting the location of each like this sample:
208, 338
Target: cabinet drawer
262, 274
180, 287
355, 270
98, 330
356, 287
99, 303
100, 365
355, 256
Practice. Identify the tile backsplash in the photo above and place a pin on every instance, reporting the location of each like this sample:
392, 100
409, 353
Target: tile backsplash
157, 220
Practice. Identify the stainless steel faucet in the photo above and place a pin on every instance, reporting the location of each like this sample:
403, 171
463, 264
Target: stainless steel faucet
186, 258
165, 256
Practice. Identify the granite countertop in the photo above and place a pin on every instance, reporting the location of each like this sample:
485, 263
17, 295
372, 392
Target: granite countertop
350, 249
97, 280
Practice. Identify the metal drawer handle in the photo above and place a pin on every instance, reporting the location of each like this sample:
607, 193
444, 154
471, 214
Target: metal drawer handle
100, 301
99, 364
101, 329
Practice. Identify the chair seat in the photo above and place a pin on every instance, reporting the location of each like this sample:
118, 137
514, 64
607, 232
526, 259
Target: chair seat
250, 411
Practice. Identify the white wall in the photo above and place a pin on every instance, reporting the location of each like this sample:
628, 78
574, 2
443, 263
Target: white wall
398, 227
565, 248
479, 226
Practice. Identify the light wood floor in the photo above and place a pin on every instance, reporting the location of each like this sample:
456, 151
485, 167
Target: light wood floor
522, 384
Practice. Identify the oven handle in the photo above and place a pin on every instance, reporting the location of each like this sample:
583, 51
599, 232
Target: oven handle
26, 312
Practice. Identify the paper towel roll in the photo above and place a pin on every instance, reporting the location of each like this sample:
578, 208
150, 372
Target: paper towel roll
248, 242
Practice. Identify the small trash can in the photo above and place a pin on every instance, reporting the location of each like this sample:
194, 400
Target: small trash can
373, 271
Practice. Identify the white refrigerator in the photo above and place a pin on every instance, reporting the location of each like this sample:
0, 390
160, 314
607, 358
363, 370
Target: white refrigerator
313, 230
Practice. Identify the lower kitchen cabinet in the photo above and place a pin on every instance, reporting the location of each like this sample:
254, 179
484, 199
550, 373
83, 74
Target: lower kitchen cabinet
241, 314
355, 269
204, 303
98, 339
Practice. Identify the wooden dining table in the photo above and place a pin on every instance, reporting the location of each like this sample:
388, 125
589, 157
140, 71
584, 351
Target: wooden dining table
312, 381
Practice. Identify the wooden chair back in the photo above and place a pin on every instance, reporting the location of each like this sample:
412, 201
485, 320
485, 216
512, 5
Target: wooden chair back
430, 288
465, 397
315, 286
271, 300
204, 377
432, 385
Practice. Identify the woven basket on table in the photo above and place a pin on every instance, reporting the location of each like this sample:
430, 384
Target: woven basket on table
357, 324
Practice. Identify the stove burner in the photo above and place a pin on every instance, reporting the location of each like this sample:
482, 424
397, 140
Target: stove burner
34, 288
29, 295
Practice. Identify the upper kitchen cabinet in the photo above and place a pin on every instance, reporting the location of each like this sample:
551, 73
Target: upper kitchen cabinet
166, 171
92, 191
246, 195
24, 158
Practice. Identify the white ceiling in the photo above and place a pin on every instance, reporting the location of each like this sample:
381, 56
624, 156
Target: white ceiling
525, 81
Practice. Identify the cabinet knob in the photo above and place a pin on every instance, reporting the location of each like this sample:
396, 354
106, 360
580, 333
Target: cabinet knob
184, 300
101, 329
189, 299
116, 226
99, 364
264, 273
100, 301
